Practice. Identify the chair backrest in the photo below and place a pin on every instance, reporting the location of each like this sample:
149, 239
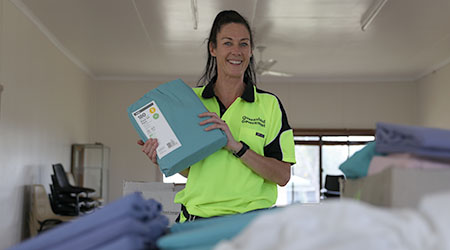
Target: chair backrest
60, 175
54, 182
332, 182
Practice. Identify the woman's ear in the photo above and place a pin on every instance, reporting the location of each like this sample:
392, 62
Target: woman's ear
212, 50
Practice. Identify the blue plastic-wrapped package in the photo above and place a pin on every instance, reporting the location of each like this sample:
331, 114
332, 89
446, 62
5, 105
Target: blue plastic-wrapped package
169, 113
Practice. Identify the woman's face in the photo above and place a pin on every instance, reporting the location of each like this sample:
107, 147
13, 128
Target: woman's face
233, 50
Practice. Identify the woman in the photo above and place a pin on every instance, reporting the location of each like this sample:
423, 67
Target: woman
242, 176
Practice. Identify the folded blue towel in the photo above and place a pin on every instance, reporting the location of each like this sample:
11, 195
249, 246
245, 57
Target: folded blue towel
170, 114
128, 242
206, 233
132, 206
149, 231
421, 141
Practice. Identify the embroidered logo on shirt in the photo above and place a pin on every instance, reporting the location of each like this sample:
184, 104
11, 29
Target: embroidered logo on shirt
255, 121
260, 135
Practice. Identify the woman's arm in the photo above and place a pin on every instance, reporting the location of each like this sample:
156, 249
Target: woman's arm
269, 168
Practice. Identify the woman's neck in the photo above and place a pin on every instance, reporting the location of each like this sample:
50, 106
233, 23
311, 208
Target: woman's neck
228, 89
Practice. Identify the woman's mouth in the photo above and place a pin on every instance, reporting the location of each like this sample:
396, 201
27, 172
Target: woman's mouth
235, 62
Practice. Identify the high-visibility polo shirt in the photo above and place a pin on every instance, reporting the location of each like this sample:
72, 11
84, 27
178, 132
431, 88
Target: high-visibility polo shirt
221, 183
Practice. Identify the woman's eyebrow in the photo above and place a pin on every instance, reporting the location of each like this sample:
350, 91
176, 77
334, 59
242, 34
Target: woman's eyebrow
229, 38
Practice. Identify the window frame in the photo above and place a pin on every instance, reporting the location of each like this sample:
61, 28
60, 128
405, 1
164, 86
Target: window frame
329, 132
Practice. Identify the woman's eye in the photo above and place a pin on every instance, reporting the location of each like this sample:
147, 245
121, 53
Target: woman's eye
227, 43
244, 44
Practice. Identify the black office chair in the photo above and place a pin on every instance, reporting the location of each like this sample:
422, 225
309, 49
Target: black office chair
68, 199
332, 188
63, 181
68, 204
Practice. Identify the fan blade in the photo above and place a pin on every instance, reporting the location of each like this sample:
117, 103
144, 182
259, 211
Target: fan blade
269, 63
262, 66
275, 73
259, 67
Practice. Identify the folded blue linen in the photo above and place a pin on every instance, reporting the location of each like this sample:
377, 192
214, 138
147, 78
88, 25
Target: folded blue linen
149, 231
421, 141
206, 233
128, 242
170, 114
131, 206
357, 165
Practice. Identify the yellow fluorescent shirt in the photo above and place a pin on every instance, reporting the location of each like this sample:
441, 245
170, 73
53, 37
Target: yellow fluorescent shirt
221, 183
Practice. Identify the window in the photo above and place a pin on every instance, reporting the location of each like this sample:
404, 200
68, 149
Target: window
318, 153
176, 178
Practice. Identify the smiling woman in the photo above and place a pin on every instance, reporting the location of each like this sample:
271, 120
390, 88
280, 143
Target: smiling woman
242, 176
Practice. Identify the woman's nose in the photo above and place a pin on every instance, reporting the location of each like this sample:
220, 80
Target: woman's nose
236, 50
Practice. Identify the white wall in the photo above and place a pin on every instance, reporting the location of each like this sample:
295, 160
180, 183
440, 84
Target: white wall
43, 111
434, 99
347, 105
113, 128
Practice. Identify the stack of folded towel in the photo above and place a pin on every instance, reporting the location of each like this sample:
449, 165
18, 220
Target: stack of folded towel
128, 223
420, 141
400, 146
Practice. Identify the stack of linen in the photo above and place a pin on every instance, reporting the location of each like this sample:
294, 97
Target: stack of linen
400, 146
128, 223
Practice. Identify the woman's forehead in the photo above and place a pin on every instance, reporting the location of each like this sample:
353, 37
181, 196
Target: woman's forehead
234, 30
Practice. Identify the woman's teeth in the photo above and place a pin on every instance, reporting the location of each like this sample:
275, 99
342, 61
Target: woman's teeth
234, 62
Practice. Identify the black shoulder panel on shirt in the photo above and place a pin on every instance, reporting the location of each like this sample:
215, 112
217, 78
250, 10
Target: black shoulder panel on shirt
273, 149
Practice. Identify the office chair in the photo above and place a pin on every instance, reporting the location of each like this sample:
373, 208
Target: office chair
63, 181
68, 199
331, 188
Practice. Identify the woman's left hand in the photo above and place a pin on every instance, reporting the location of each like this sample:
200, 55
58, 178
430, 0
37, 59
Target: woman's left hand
217, 123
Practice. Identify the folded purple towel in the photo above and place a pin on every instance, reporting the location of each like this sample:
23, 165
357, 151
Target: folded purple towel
422, 141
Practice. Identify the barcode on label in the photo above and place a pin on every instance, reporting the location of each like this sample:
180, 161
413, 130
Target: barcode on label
171, 144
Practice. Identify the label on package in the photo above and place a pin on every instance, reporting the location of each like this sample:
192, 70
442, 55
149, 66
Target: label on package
154, 125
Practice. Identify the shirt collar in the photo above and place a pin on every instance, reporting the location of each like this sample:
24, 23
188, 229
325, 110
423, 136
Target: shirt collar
248, 94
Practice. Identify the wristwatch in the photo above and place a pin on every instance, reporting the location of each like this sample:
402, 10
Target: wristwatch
242, 151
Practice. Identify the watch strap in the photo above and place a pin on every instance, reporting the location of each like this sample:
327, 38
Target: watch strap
242, 151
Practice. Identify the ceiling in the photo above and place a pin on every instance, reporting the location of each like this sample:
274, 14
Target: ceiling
314, 40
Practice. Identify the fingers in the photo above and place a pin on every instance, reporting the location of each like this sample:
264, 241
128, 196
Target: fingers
221, 126
205, 114
217, 123
140, 142
214, 118
149, 148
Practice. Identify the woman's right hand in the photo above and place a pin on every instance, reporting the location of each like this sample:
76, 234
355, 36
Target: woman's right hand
149, 148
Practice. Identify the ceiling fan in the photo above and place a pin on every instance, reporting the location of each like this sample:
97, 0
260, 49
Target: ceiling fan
263, 66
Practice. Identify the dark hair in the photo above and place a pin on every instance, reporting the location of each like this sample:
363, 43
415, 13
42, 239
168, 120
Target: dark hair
210, 73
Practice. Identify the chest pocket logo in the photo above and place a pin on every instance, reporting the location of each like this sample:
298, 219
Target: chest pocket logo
254, 121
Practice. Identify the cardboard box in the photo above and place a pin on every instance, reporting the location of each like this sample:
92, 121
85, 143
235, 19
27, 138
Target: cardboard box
164, 193
397, 187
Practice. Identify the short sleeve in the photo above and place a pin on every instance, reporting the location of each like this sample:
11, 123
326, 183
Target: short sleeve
281, 146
